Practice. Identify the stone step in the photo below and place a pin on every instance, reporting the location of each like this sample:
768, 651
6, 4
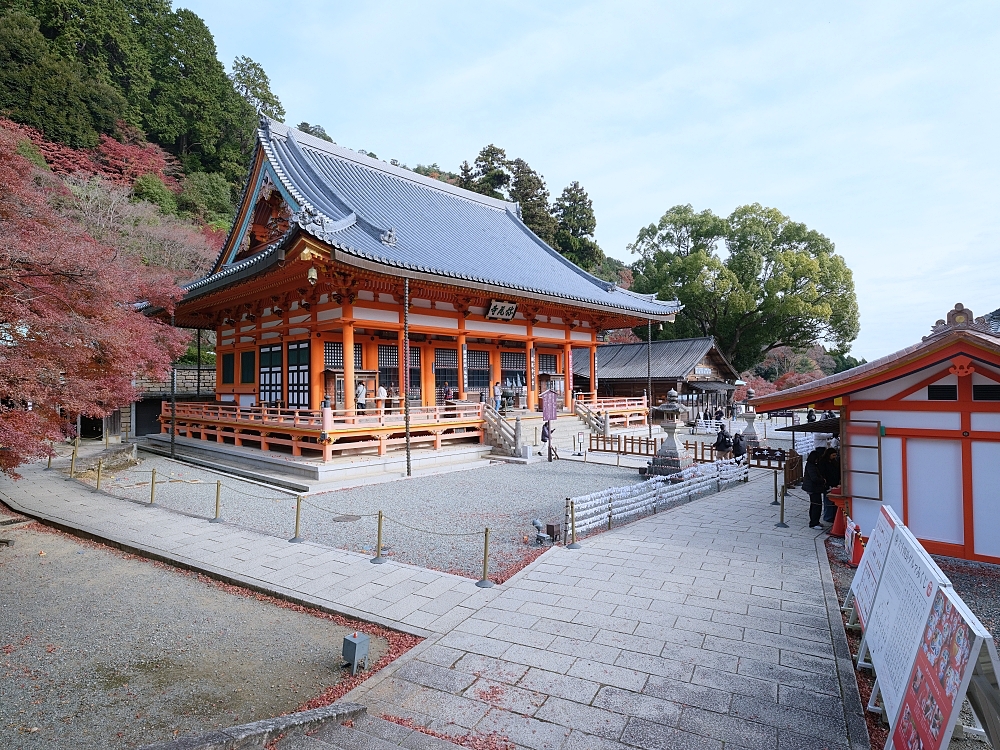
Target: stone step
364, 733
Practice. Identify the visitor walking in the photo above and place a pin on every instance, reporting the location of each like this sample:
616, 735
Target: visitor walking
739, 445
723, 444
381, 395
448, 394
497, 396
814, 483
360, 397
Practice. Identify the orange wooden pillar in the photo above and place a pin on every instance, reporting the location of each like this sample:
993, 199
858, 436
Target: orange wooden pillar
461, 385
532, 374
348, 358
568, 374
593, 369
317, 384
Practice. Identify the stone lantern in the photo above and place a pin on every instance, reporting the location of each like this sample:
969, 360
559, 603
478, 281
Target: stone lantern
670, 457
749, 433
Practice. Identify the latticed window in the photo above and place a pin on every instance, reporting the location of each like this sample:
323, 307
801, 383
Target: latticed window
298, 375
445, 370
269, 384
547, 363
414, 391
333, 356
513, 370
388, 366
479, 372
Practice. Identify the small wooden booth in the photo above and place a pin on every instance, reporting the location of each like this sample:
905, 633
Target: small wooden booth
920, 431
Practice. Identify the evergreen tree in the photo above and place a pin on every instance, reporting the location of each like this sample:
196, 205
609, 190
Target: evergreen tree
528, 188
316, 130
252, 83
491, 173
574, 212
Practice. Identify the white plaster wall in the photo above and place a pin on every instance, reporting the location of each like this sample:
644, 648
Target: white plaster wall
371, 313
986, 497
886, 390
934, 489
924, 420
985, 422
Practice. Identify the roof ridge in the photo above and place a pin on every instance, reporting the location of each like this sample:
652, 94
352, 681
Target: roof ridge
343, 152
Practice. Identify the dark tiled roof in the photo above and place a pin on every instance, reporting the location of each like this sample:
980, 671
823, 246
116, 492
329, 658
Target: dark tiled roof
993, 321
393, 217
672, 359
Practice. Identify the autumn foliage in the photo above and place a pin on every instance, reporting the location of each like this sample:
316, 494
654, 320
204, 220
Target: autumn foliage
71, 338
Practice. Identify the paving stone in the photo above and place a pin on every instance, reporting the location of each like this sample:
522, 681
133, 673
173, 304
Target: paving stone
655, 665
560, 685
809, 701
734, 683
687, 693
788, 740
650, 736
585, 718
756, 651
433, 676
629, 703
578, 740
506, 697
524, 730
440, 655
608, 674
730, 729
811, 723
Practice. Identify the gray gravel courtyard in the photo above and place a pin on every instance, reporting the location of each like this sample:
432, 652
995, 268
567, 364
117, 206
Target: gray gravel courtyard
99, 651
456, 507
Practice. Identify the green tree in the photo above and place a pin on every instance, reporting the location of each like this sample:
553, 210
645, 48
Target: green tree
780, 284
574, 214
527, 187
491, 172
38, 87
206, 195
316, 130
252, 83
150, 188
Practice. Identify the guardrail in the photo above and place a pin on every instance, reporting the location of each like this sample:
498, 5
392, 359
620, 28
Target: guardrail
622, 504
504, 436
631, 445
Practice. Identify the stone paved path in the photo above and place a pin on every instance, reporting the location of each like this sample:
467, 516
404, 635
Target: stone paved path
702, 627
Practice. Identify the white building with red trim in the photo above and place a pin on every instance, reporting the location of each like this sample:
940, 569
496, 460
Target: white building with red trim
920, 431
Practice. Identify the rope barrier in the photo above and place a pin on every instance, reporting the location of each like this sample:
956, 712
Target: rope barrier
339, 512
436, 533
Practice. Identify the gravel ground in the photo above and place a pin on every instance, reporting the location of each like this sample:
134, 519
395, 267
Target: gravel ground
99, 649
505, 497
979, 586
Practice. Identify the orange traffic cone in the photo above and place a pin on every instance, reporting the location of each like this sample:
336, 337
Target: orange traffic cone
839, 523
859, 550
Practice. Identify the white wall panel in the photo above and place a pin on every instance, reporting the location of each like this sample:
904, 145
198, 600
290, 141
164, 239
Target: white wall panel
371, 313
921, 395
330, 314
985, 422
433, 321
934, 489
493, 327
548, 333
986, 497
921, 420
887, 390
580, 336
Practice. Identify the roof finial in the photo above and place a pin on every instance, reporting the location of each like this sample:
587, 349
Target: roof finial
960, 317
389, 238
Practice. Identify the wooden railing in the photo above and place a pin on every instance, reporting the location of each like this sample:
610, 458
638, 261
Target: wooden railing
333, 431
602, 413
631, 445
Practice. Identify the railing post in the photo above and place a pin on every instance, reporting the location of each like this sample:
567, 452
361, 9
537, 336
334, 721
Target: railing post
152, 487
378, 559
485, 582
517, 436
100, 466
72, 464
572, 524
298, 515
218, 503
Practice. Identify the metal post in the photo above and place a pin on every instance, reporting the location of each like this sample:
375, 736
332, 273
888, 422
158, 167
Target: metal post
649, 374
781, 524
72, 464
298, 514
198, 386
572, 525
406, 369
485, 582
378, 559
152, 487
775, 502
173, 412
550, 439
100, 466
218, 503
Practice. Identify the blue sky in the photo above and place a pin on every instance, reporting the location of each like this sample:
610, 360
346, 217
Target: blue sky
873, 123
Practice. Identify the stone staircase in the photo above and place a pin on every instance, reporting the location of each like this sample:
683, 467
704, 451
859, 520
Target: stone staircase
363, 733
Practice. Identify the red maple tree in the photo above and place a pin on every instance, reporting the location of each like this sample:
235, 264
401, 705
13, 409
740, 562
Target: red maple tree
71, 337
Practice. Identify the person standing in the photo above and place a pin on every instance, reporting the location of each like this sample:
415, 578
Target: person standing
723, 444
830, 465
739, 445
380, 398
360, 396
448, 394
814, 483
497, 396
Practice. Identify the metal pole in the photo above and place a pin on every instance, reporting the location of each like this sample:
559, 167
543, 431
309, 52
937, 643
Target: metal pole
485, 582
173, 403
549, 425
198, 386
100, 466
298, 514
378, 559
152, 487
406, 369
775, 502
218, 503
781, 524
572, 525
649, 374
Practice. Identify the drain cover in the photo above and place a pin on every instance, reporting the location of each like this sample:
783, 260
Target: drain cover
346, 519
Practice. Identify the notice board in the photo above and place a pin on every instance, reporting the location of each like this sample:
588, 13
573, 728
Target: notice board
869, 572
